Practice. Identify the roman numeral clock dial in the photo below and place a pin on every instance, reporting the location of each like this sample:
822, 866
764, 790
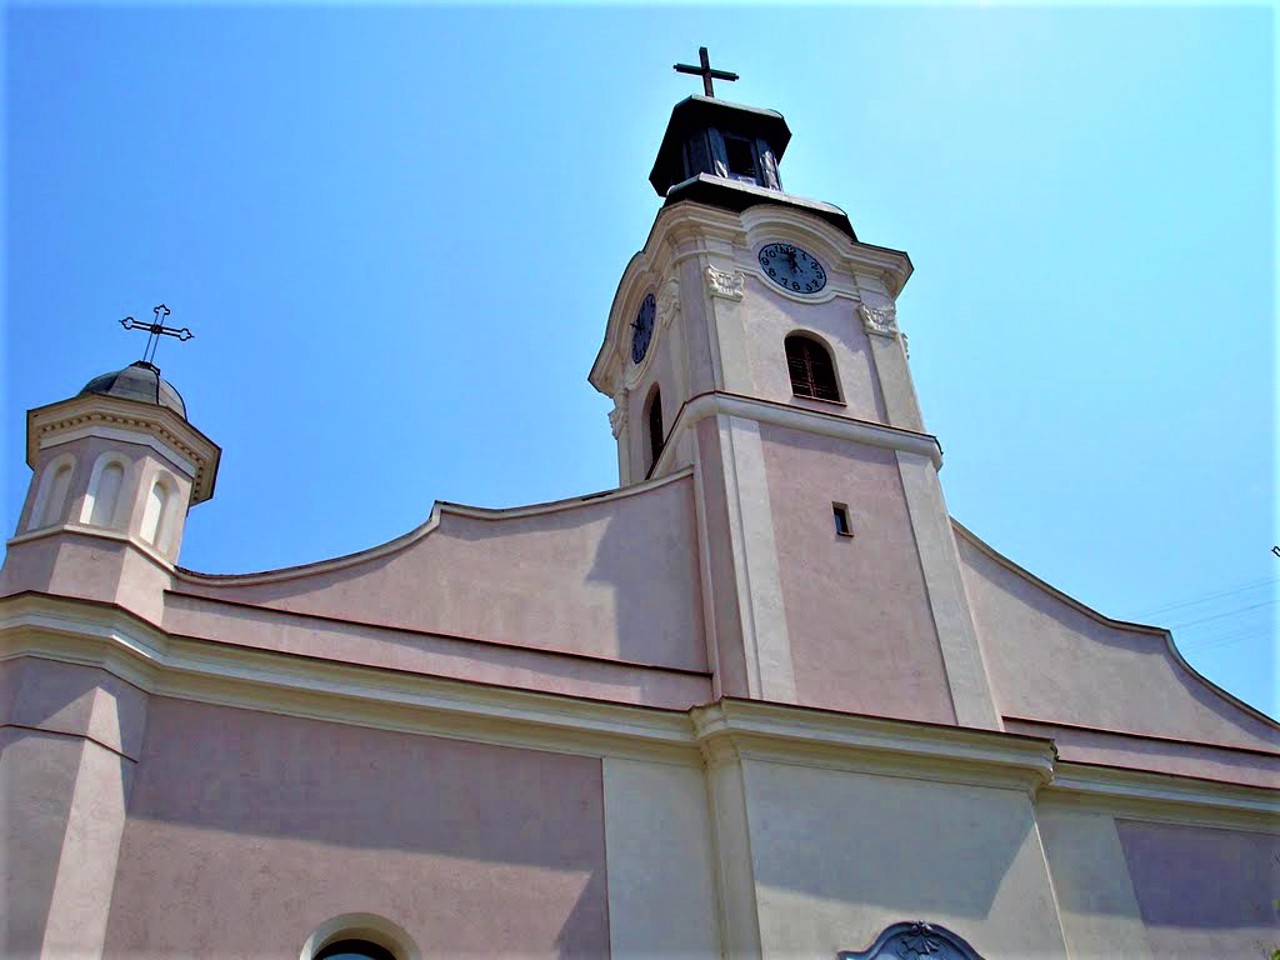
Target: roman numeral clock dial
792, 268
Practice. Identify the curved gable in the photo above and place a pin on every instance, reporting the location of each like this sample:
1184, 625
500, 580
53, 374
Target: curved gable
1119, 692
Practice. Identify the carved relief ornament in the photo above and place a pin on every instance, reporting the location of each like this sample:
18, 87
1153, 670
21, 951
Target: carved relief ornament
618, 415
669, 302
882, 321
727, 284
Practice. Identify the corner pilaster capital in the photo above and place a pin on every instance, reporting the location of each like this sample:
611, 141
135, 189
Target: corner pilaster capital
618, 415
880, 321
728, 284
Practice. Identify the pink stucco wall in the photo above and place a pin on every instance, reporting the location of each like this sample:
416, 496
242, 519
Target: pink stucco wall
1203, 892
1054, 661
768, 317
614, 578
861, 630
476, 661
1159, 755
246, 831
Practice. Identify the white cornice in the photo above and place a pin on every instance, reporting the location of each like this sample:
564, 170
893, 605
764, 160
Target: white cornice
798, 418
785, 734
107, 637
1146, 795
133, 421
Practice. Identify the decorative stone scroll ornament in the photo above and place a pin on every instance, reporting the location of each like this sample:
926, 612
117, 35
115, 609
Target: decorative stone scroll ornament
669, 302
882, 321
915, 941
726, 284
618, 415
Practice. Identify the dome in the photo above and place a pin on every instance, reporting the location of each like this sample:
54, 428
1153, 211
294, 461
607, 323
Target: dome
139, 381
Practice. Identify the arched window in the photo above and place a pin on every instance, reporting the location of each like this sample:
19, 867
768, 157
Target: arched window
813, 374
155, 515
655, 426
354, 950
103, 498
51, 497
359, 936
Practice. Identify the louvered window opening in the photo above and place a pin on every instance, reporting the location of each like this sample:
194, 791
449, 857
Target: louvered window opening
812, 372
655, 427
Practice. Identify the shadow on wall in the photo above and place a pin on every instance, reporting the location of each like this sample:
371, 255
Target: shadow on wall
1046, 667
284, 822
648, 555
907, 846
1203, 892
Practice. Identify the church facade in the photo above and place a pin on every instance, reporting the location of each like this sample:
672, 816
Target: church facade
765, 699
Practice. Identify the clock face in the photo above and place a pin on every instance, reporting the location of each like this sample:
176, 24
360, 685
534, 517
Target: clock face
792, 268
642, 329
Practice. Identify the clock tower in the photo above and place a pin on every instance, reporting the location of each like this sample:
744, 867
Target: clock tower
753, 343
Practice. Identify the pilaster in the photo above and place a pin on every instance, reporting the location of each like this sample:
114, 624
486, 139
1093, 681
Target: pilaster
72, 737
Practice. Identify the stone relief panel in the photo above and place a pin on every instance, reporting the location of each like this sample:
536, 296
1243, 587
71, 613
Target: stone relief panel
727, 284
882, 321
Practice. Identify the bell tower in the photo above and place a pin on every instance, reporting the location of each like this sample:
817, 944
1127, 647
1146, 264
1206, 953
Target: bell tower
754, 342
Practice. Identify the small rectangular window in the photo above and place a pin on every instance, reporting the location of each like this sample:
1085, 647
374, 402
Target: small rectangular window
840, 513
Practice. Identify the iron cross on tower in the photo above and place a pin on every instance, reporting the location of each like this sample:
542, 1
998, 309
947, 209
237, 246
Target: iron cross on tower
705, 72
155, 330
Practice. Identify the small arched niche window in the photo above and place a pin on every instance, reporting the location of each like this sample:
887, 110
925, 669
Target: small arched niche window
103, 499
51, 495
359, 936
156, 519
653, 416
813, 373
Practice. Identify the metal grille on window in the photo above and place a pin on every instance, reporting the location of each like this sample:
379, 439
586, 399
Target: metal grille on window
812, 372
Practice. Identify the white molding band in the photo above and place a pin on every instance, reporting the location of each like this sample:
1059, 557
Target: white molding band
715, 403
131, 421
108, 638
765, 638
156, 443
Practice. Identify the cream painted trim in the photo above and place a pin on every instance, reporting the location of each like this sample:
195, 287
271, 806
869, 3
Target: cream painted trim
765, 639
1142, 795
159, 663
109, 638
706, 582
133, 421
318, 689
714, 404
1106, 621
783, 734
124, 436
438, 510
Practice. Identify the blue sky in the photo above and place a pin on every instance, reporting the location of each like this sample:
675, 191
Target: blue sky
397, 231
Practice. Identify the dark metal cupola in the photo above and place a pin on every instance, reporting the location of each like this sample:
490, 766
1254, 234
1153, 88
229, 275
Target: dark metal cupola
727, 154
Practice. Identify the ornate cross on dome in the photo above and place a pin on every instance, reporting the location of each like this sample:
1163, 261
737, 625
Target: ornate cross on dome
705, 72
155, 330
